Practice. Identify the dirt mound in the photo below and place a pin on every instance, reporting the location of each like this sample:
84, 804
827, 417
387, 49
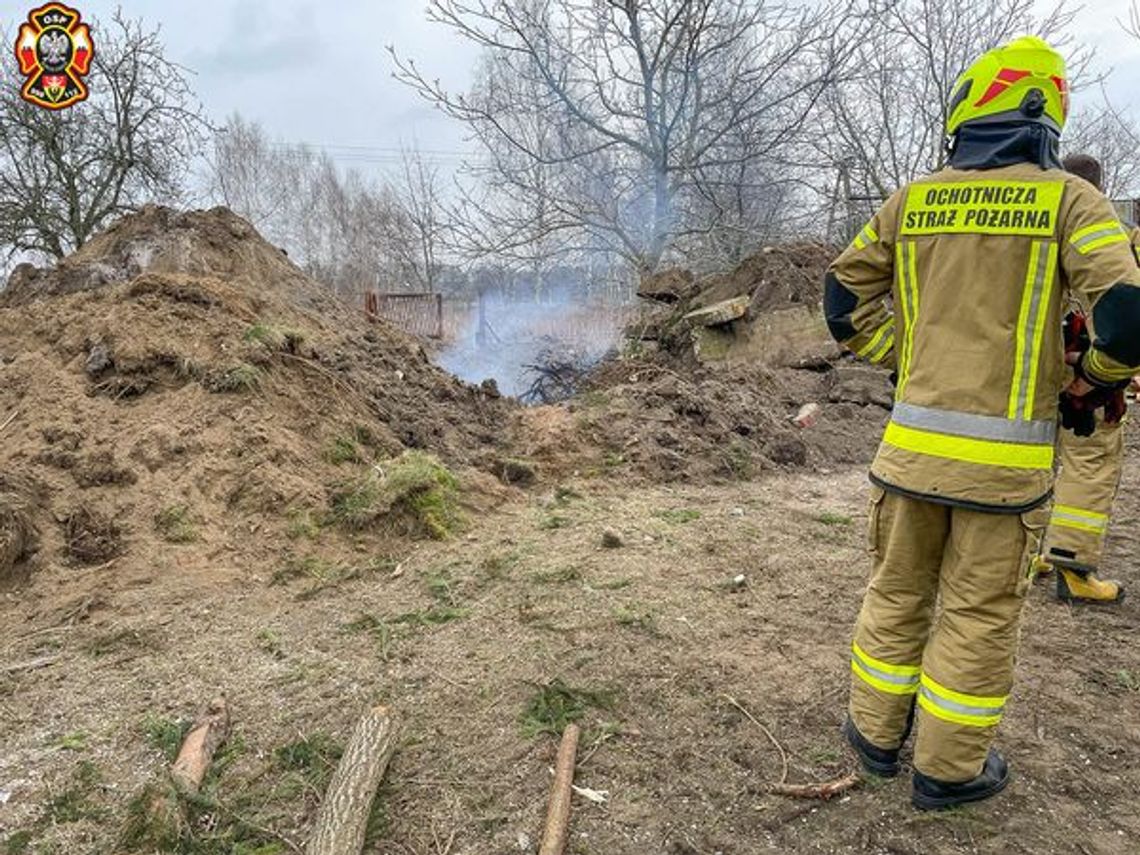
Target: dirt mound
179, 363
775, 278
680, 422
732, 359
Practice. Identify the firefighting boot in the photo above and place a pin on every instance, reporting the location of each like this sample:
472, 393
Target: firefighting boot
931, 794
1041, 567
1074, 586
883, 762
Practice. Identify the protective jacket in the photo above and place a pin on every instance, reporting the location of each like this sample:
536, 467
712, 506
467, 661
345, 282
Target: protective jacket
959, 282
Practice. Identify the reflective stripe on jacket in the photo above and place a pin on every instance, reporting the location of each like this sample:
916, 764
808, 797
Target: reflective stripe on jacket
977, 265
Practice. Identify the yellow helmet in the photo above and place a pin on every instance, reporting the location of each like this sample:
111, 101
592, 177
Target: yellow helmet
1022, 80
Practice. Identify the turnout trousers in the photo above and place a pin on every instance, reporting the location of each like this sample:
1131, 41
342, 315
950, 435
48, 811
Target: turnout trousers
1083, 496
939, 628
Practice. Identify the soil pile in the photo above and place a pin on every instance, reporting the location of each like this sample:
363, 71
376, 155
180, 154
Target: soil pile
680, 422
178, 379
775, 278
670, 414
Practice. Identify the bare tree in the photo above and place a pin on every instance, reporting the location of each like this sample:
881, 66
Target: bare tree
1113, 138
638, 100
251, 175
64, 174
1132, 25
419, 220
347, 230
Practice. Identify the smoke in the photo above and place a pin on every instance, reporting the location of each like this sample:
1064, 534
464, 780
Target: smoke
502, 339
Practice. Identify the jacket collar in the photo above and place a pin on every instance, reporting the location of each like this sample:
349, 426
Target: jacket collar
990, 146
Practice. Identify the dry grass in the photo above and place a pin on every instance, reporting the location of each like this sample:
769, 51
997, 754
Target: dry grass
488, 646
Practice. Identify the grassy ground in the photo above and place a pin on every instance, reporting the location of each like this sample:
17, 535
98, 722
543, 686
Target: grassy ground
722, 609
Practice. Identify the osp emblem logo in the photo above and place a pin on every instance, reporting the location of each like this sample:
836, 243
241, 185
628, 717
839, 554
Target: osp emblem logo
54, 49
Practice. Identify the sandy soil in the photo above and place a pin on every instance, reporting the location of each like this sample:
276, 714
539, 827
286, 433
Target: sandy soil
652, 639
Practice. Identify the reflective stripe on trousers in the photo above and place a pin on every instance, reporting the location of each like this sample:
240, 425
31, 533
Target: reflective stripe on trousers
1079, 518
959, 707
893, 679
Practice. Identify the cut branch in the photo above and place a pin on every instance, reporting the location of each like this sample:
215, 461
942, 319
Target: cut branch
558, 814
823, 791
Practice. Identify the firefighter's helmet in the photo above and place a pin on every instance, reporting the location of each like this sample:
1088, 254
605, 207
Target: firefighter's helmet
1023, 80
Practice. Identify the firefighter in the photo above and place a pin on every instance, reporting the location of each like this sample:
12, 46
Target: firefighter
958, 284
1091, 466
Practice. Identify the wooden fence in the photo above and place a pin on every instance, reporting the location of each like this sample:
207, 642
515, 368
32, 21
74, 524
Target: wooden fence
419, 314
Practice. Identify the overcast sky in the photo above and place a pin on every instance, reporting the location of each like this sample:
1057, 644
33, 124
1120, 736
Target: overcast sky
324, 77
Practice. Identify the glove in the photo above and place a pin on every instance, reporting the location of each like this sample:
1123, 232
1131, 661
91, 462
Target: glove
1077, 415
1115, 407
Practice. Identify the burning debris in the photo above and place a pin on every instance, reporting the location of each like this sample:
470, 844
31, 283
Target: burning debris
535, 351
556, 374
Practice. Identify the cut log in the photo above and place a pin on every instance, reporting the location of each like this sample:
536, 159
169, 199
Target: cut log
558, 814
208, 733
343, 817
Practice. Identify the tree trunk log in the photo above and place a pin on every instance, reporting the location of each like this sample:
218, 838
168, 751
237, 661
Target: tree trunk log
208, 733
558, 815
343, 817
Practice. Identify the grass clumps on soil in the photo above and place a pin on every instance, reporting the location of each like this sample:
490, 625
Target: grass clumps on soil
342, 449
414, 491
303, 525
74, 741
678, 516
239, 378
174, 525
559, 576
165, 735
375, 627
553, 522
832, 518
637, 616
273, 337
313, 757
77, 801
162, 818
323, 574
555, 705
18, 843
436, 615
